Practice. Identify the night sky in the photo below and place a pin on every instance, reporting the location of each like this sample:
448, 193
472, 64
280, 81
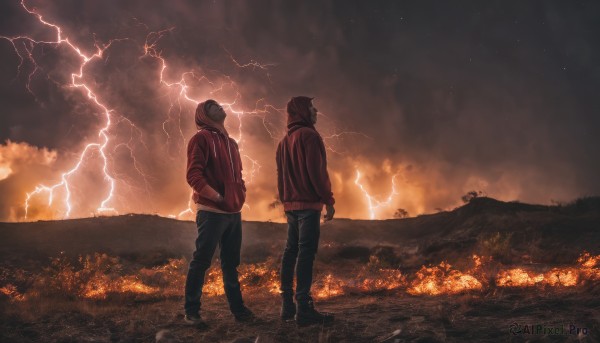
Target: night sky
495, 96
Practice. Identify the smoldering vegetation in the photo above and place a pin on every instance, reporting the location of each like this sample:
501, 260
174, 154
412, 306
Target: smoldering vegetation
454, 275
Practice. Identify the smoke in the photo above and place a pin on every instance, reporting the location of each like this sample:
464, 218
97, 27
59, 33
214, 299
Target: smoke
21, 165
490, 97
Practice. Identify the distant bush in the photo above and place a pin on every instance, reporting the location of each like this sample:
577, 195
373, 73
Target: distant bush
471, 195
401, 213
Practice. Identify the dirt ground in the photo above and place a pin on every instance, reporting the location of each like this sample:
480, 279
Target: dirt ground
359, 318
119, 279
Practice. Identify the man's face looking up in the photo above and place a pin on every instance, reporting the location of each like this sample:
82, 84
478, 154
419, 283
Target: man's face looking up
216, 112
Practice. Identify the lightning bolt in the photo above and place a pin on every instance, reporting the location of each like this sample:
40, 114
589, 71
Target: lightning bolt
253, 171
330, 140
373, 203
187, 210
177, 90
76, 82
252, 64
181, 88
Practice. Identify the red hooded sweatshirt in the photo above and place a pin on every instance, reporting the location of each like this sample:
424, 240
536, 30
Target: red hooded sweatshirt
214, 165
302, 178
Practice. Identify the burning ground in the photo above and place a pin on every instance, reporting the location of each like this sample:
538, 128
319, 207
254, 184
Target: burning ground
466, 274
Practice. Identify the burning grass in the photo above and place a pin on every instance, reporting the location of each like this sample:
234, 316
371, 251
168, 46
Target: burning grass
443, 279
102, 277
586, 271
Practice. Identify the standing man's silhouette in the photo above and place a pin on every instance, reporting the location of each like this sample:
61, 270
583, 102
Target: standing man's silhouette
214, 171
304, 187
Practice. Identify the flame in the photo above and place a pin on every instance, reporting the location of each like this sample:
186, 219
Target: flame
213, 283
384, 280
260, 275
329, 287
562, 277
517, 277
588, 261
100, 276
566, 277
11, 292
101, 288
443, 279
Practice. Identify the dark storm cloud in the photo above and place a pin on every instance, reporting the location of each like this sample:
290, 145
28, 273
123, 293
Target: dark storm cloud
503, 93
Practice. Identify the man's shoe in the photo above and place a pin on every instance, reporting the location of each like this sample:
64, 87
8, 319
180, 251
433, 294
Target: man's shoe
288, 308
307, 315
194, 319
244, 315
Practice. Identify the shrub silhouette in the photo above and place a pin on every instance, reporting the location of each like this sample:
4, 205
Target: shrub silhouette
470, 196
401, 213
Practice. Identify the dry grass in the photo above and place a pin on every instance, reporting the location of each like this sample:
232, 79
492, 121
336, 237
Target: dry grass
55, 305
367, 273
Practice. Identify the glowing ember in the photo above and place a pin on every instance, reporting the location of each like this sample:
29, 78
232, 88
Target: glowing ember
566, 277
590, 266
562, 277
12, 292
480, 260
328, 287
517, 277
101, 276
586, 260
136, 286
384, 280
521, 278
442, 279
213, 282
259, 275
100, 288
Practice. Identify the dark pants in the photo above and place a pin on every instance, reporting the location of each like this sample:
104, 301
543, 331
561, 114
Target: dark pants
300, 250
215, 229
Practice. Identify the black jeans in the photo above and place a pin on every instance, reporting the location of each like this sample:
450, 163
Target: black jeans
215, 229
300, 249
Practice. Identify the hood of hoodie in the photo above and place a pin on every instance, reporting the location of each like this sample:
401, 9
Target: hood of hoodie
204, 122
298, 113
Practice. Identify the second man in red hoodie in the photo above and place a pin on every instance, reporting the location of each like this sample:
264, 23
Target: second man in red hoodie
304, 187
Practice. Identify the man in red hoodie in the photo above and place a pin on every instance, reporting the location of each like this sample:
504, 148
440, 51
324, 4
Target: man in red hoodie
304, 187
214, 171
